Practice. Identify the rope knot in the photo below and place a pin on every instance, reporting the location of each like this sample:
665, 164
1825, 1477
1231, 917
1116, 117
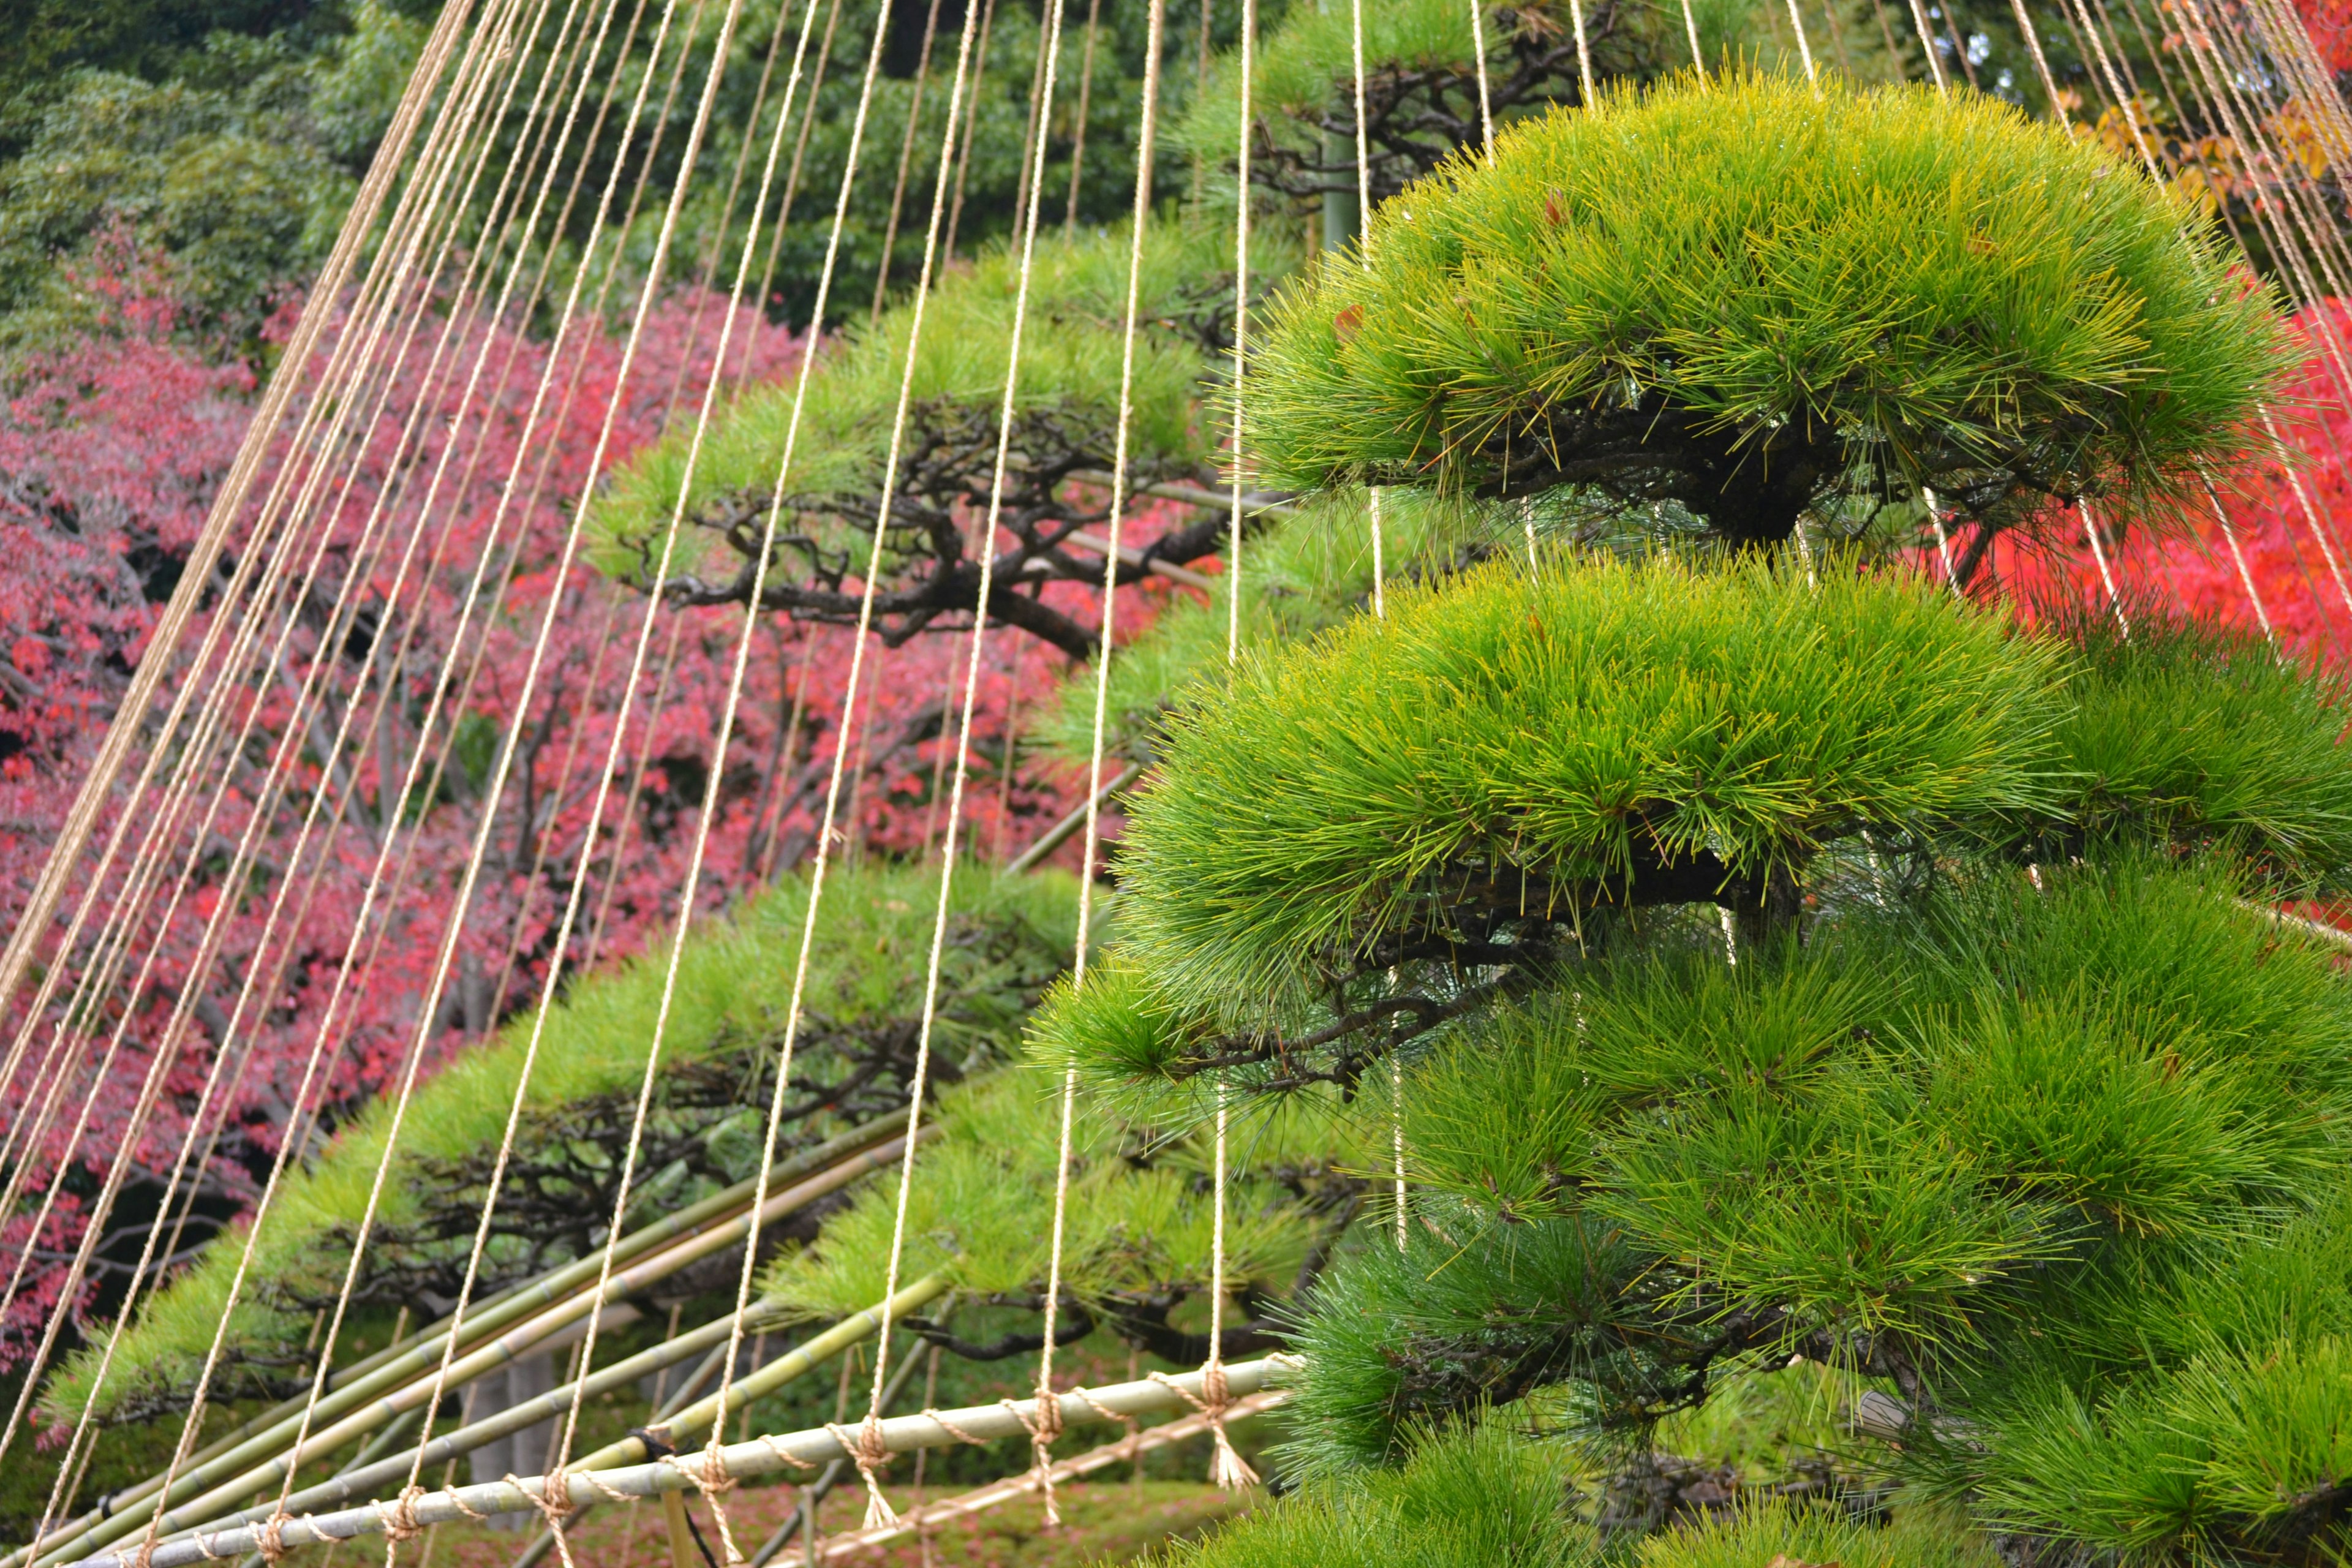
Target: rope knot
269, 1538
1227, 1467
553, 1501
867, 1450
400, 1524
1042, 1421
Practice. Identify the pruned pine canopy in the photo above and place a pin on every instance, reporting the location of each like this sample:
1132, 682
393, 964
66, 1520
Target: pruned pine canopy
1750, 299
2053, 1150
1775, 957
732, 491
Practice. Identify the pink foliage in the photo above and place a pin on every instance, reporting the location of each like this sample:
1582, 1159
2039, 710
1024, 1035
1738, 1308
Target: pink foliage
109, 456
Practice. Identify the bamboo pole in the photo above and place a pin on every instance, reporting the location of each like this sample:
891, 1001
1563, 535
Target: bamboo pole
761, 1456
398, 1394
395, 1365
363, 1480
1029, 1480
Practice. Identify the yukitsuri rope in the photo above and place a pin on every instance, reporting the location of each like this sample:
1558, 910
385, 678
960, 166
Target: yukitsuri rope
1373, 509
878, 1511
1583, 53
166, 1053
343, 972
1241, 329
180, 1450
1928, 46
1049, 1410
2221, 516
1478, 61
454, 930
866, 1461
118, 931
228, 503
1227, 1470
2099, 554
1226, 1467
906, 160
2310, 514
1804, 46
360, 573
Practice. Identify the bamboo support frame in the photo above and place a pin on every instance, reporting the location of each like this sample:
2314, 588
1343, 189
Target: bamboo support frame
364, 1406
761, 1456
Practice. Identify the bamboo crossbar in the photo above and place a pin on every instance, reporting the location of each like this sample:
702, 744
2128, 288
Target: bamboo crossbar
1126, 1450
365, 1480
761, 1456
365, 1405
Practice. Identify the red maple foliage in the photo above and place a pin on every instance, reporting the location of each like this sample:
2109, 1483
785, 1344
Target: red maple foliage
2281, 558
109, 453
2330, 23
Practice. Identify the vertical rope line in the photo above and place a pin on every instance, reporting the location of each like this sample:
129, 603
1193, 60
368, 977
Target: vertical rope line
1585, 53
2099, 554
2320, 320
971, 125
877, 1507
632, 794
2230, 537
228, 503
1837, 38
751, 620
719, 360
792, 180
159, 652
1033, 132
1698, 55
2310, 514
1804, 47
339, 363
1041, 1440
249, 631
1928, 48
2043, 64
405, 258
718, 247
373, 888
751, 610
1373, 510
1199, 85
2294, 234
167, 1049
505, 47
2228, 533
1241, 329
1227, 1468
2290, 42
1478, 58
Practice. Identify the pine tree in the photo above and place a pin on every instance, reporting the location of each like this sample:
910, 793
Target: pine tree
1779, 958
